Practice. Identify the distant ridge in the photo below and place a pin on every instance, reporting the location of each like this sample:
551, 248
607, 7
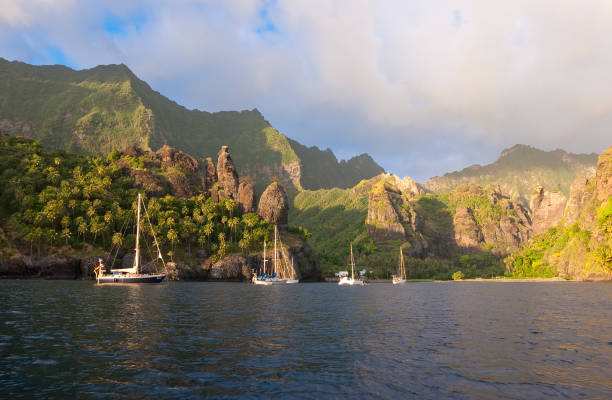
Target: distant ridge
519, 169
105, 108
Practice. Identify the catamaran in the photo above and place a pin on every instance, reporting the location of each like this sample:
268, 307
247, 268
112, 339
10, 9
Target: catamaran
132, 275
345, 280
401, 277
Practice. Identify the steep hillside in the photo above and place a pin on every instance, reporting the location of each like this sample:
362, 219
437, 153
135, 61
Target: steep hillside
520, 169
108, 108
580, 245
381, 214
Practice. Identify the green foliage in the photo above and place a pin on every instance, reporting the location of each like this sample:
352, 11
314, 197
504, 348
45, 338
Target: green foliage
49, 199
457, 276
302, 232
604, 216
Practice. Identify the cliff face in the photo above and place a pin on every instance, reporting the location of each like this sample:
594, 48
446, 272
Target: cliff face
486, 217
579, 246
391, 214
547, 209
603, 176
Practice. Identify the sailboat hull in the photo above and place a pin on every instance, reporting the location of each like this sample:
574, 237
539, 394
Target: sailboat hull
399, 281
141, 278
350, 282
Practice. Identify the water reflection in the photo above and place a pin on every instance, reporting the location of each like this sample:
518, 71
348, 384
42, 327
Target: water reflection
428, 340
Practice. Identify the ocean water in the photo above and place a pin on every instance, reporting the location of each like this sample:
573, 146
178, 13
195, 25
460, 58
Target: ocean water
478, 340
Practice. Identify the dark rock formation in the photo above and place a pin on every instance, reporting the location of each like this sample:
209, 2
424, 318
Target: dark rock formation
184, 172
51, 267
467, 233
246, 197
232, 267
547, 209
226, 173
274, 206
210, 171
603, 175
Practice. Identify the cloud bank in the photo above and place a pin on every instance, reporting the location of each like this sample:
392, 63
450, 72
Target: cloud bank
425, 87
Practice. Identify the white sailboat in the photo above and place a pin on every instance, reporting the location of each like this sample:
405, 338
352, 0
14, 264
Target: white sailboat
292, 279
401, 278
131, 275
274, 278
350, 281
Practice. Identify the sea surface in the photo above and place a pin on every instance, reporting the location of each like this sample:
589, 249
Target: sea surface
469, 340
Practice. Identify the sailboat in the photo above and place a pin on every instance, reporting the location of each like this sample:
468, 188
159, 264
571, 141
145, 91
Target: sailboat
345, 280
401, 278
131, 275
292, 276
274, 278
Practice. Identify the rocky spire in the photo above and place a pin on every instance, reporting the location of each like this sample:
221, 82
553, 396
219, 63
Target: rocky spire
274, 206
226, 173
246, 197
210, 171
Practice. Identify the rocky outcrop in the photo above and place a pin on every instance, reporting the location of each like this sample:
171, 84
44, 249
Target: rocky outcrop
547, 208
577, 201
274, 206
233, 267
167, 171
183, 171
603, 175
467, 232
487, 216
246, 197
51, 267
210, 171
226, 173
383, 221
391, 213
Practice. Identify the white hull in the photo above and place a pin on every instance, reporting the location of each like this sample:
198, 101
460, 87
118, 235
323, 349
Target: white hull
292, 281
345, 280
398, 281
268, 281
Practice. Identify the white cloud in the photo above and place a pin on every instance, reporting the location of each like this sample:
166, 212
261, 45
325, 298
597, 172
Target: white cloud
369, 76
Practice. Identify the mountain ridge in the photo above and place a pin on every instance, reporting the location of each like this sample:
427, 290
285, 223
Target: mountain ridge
107, 107
521, 168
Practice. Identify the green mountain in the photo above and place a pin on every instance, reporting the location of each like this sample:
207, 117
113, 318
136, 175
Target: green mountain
107, 108
520, 169
380, 214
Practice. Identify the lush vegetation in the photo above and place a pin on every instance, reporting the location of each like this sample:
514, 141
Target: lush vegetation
336, 217
567, 251
52, 199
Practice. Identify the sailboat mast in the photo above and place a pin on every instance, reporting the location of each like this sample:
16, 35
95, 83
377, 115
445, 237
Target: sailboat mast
264, 259
137, 258
275, 229
352, 263
402, 268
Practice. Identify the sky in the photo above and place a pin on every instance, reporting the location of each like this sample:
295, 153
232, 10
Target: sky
425, 87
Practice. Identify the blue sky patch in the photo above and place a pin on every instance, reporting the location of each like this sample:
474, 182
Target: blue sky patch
121, 26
